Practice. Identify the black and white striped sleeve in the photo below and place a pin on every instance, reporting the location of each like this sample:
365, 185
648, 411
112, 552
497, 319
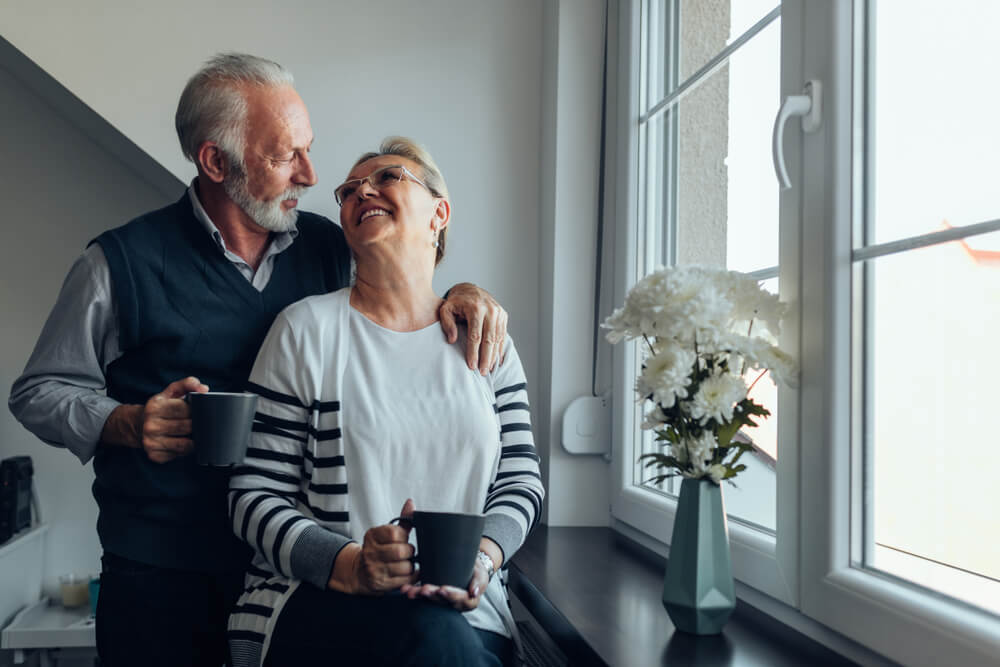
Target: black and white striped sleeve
514, 501
263, 491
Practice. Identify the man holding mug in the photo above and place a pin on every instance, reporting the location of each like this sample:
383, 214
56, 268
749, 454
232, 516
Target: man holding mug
177, 301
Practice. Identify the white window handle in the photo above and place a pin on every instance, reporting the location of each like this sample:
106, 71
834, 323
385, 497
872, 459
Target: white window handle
809, 105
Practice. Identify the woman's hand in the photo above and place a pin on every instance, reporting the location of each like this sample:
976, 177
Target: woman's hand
486, 320
383, 563
468, 599
456, 598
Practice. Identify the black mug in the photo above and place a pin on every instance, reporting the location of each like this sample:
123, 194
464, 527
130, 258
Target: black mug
220, 426
447, 544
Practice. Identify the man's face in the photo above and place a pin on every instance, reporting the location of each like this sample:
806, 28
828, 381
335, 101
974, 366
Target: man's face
277, 169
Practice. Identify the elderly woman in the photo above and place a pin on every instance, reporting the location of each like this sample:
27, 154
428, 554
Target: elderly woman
364, 409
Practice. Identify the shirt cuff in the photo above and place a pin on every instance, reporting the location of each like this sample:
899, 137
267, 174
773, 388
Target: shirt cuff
506, 532
314, 553
85, 423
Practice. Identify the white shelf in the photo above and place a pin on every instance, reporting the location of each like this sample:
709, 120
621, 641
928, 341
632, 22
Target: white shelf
46, 625
22, 539
21, 561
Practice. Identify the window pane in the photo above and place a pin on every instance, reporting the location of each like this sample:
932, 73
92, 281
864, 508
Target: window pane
936, 140
727, 215
708, 26
753, 497
932, 393
752, 209
708, 194
745, 13
727, 201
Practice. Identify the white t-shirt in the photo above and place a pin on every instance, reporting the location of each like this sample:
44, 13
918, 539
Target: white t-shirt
410, 433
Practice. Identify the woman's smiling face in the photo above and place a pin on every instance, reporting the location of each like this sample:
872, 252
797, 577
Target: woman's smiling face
402, 212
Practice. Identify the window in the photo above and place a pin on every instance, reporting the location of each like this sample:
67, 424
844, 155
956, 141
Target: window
888, 247
708, 73
927, 316
895, 224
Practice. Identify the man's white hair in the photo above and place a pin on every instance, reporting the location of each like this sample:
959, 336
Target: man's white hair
213, 108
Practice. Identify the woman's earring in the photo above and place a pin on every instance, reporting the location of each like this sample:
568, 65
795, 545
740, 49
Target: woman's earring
434, 243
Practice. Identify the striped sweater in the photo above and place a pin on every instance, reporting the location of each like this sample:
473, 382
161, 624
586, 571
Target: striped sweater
291, 500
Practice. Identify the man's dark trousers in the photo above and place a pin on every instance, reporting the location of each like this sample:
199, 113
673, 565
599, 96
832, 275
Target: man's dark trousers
170, 617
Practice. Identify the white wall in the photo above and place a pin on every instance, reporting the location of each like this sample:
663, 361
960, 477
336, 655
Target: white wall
59, 191
578, 487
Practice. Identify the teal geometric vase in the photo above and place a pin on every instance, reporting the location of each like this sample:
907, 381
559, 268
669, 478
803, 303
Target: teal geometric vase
698, 586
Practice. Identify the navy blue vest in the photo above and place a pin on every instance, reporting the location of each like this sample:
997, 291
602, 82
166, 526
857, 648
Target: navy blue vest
184, 309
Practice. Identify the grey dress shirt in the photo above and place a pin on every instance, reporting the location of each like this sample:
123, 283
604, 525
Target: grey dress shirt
58, 396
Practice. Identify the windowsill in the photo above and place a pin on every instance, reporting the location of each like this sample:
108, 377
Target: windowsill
604, 591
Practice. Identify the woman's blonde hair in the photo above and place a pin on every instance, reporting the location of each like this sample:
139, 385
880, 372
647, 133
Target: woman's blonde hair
430, 174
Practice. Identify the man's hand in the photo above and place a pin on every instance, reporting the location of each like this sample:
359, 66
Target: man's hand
486, 320
383, 563
162, 427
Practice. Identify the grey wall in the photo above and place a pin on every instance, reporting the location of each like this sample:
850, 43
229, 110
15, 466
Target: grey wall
59, 190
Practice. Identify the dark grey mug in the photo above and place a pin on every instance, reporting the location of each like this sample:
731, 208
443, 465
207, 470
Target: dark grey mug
447, 544
220, 426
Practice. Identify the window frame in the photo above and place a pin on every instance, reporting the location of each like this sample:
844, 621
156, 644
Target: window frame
902, 621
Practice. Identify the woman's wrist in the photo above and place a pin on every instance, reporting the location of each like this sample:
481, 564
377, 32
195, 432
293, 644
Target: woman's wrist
493, 550
487, 562
344, 575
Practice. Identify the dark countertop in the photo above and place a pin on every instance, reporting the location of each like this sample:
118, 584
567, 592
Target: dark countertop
597, 595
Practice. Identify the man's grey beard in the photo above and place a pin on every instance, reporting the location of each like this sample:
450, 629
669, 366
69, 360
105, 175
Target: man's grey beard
267, 214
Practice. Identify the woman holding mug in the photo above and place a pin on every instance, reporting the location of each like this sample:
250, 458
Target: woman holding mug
366, 409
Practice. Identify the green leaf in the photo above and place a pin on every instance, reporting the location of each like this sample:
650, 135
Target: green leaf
667, 435
660, 478
725, 433
660, 461
732, 471
743, 448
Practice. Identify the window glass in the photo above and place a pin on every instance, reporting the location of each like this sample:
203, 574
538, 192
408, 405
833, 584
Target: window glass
706, 27
708, 193
936, 139
932, 323
928, 316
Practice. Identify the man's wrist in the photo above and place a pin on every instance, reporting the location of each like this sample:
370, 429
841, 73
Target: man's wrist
124, 426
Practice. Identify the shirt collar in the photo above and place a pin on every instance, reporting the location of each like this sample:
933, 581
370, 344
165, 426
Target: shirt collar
279, 240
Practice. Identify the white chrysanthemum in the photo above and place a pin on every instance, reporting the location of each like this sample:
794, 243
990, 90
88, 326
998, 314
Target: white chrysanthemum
666, 375
697, 452
736, 350
781, 365
654, 419
700, 318
752, 302
716, 397
716, 472
675, 303
678, 298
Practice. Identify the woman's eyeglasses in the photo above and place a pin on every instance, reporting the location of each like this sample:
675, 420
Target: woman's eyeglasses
381, 178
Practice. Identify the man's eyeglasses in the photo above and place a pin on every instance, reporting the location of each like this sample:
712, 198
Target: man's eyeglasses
379, 179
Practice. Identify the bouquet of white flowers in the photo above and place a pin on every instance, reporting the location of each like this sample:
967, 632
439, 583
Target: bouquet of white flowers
704, 329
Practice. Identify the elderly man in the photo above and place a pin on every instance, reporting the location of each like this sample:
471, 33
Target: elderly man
176, 301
